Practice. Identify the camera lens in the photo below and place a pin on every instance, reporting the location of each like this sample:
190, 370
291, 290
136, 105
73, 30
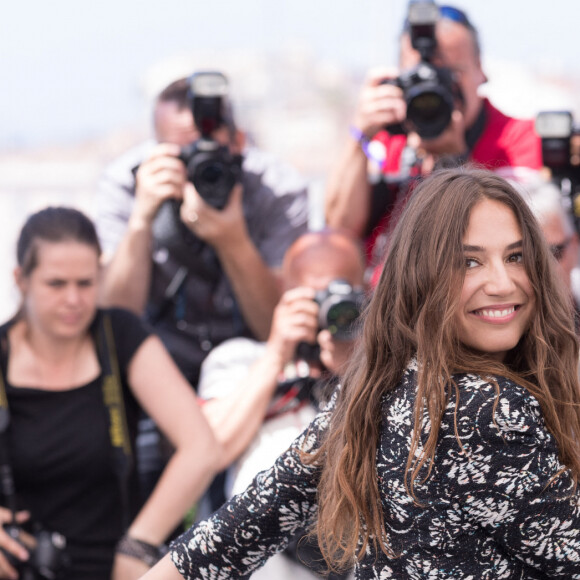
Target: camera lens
340, 317
429, 112
211, 173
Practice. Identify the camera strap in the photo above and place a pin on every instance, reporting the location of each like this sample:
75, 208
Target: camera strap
6, 475
114, 402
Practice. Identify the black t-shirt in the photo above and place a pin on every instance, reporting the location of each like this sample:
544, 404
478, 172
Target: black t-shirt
62, 457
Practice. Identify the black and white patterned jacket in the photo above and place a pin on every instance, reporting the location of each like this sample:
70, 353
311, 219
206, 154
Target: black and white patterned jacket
489, 509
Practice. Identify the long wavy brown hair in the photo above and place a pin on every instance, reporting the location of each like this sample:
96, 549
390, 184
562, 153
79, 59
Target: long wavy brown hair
412, 314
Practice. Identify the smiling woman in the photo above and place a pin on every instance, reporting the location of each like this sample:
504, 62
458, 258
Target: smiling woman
497, 300
450, 451
72, 378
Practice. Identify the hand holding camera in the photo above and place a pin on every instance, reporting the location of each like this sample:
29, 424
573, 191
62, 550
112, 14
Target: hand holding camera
160, 178
39, 555
380, 104
221, 228
12, 549
295, 320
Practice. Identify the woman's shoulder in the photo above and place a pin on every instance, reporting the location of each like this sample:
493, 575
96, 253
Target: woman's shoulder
497, 406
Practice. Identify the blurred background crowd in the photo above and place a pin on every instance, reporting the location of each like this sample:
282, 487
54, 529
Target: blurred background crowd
80, 79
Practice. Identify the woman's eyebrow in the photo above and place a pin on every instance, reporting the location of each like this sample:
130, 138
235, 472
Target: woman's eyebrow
468, 248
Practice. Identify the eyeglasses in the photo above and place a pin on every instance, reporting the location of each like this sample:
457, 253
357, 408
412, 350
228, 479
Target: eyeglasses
452, 13
559, 249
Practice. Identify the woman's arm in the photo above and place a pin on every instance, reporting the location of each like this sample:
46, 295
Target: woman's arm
254, 525
171, 402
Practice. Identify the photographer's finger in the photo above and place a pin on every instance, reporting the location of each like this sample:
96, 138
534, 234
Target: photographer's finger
22, 516
165, 150
378, 74
166, 163
167, 184
190, 195
190, 208
237, 192
300, 292
10, 545
6, 569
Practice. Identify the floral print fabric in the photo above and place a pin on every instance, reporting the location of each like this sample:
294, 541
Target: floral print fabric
491, 508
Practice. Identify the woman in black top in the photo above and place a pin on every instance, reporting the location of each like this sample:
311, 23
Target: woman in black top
451, 450
74, 377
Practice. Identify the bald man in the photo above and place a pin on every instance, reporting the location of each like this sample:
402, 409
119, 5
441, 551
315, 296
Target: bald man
263, 395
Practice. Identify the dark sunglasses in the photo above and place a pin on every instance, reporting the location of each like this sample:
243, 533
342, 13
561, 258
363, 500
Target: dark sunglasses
559, 249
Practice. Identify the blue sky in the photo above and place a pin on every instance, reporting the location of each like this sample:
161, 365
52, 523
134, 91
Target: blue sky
72, 70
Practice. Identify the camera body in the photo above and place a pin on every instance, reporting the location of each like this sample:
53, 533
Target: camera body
47, 559
211, 167
430, 92
339, 308
557, 130
561, 154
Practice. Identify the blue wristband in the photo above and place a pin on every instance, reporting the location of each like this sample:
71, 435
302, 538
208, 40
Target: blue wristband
374, 150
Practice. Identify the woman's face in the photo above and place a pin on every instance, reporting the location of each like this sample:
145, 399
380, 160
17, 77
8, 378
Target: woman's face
60, 294
497, 300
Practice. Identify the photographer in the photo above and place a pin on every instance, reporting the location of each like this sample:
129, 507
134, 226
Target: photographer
72, 380
198, 273
209, 274
377, 153
262, 395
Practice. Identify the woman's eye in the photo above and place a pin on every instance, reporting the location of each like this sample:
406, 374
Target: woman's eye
56, 283
516, 257
471, 262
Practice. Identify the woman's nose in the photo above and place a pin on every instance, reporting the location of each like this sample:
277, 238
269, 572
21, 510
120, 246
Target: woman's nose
72, 294
499, 281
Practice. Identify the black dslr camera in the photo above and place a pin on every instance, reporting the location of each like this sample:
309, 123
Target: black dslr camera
339, 308
561, 154
429, 91
47, 559
210, 166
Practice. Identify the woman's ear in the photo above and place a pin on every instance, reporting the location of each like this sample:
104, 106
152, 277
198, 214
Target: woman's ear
20, 279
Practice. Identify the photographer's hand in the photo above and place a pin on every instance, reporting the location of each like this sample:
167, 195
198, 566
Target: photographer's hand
159, 178
127, 276
10, 545
334, 354
220, 228
379, 104
295, 320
